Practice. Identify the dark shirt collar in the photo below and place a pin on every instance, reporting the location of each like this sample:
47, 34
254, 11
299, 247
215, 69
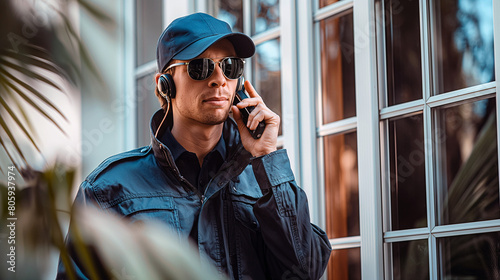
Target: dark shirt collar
177, 150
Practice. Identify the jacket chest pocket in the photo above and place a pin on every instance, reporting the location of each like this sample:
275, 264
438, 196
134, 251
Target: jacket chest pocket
243, 202
144, 209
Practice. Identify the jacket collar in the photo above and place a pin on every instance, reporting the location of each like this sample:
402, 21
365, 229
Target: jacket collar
235, 153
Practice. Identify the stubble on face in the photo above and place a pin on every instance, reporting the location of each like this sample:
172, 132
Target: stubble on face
192, 99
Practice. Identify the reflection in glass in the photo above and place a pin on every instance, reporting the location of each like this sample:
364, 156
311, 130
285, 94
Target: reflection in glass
410, 260
468, 161
149, 27
230, 11
267, 75
324, 3
341, 185
337, 68
402, 39
345, 264
470, 256
464, 43
407, 173
267, 15
147, 105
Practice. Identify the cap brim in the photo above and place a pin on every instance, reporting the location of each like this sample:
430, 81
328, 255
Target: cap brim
243, 45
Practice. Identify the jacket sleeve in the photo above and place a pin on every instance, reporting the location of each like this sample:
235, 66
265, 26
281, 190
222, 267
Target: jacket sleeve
84, 198
297, 249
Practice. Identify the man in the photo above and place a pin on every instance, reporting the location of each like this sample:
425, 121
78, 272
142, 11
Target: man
204, 174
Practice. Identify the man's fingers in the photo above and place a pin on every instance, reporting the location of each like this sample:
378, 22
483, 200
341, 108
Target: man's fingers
239, 120
250, 89
253, 121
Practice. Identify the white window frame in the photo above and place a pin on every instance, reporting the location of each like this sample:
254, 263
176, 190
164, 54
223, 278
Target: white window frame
433, 231
367, 108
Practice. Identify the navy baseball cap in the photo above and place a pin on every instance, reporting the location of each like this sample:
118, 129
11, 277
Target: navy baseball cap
187, 37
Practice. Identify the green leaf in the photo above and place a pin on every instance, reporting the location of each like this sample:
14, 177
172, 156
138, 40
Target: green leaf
8, 154
61, 55
18, 122
31, 73
15, 102
83, 50
30, 101
32, 90
6, 128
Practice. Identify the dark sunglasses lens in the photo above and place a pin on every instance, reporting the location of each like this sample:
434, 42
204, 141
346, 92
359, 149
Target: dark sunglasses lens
232, 67
201, 68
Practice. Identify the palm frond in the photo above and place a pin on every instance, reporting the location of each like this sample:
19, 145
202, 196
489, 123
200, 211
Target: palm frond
35, 59
18, 122
84, 55
32, 61
12, 139
30, 89
30, 100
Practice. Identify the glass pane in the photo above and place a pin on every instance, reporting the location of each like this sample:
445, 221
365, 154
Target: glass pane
147, 105
337, 68
468, 162
149, 27
266, 15
402, 39
324, 3
267, 76
464, 43
341, 185
231, 11
345, 264
407, 173
410, 260
470, 256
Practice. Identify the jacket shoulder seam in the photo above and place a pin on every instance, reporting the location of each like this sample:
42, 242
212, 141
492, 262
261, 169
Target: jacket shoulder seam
140, 152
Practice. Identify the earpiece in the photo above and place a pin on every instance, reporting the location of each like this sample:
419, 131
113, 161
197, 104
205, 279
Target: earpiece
166, 86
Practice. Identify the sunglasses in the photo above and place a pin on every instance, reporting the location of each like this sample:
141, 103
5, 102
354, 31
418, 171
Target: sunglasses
202, 68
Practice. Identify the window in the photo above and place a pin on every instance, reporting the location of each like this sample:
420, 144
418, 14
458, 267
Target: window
438, 139
149, 25
338, 138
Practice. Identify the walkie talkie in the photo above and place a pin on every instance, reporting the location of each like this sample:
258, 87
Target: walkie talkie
245, 112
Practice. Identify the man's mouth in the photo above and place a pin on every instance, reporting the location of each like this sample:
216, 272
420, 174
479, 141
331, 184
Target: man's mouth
217, 101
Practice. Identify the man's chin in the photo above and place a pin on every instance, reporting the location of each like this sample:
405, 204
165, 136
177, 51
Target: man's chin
215, 120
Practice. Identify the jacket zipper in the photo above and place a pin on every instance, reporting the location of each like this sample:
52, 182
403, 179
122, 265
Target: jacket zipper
181, 178
223, 167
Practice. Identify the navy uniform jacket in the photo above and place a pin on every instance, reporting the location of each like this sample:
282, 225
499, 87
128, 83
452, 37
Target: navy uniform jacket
253, 219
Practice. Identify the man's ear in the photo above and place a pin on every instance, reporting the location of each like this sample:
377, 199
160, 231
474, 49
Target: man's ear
157, 76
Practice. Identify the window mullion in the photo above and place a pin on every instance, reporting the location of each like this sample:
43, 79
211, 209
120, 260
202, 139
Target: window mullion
431, 188
426, 45
434, 259
427, 88
130, 114
306, 112
368, 140
496, 42
289, 120
247, 29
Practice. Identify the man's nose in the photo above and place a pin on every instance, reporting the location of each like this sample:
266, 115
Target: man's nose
217, 79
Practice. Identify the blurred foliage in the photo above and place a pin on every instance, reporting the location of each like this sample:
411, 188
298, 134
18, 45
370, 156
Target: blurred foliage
103, 241
39, 43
